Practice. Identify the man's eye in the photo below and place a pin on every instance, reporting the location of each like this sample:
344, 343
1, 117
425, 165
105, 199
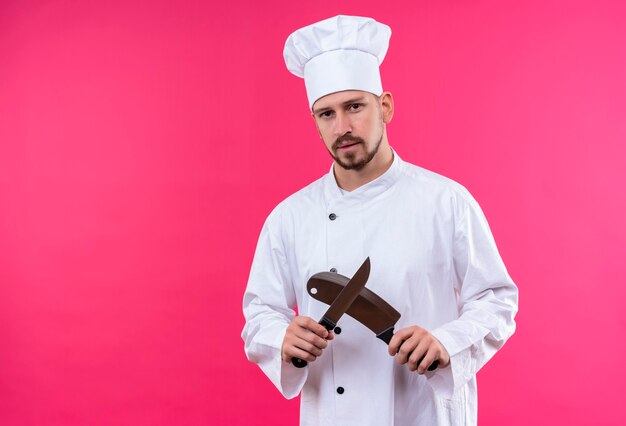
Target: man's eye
355, 107
326, 114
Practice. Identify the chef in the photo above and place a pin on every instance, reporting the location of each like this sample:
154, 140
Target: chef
433, 258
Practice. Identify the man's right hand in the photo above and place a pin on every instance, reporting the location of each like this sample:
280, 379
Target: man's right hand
305, 339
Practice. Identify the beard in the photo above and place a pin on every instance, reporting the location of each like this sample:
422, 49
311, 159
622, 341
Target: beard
351, 160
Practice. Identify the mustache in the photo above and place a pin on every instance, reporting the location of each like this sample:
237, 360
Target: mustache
347, 138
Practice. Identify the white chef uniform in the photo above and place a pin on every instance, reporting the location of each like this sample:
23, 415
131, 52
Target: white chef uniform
433, 258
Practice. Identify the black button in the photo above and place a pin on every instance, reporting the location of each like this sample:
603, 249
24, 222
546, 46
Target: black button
332, 216
340, 390
333, 270
337, 330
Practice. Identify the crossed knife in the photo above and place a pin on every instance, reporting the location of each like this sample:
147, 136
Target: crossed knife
349, 296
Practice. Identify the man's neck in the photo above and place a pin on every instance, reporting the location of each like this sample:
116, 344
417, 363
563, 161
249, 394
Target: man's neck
349, 180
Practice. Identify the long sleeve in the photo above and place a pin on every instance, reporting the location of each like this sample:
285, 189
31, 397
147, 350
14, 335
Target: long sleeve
268, 307
487, 300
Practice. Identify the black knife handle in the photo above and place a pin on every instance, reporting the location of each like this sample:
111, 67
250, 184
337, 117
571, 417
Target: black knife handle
298, 363
386, 336
329, 325
433, 366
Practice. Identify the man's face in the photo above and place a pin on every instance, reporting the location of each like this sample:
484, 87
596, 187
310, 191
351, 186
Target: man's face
351, 124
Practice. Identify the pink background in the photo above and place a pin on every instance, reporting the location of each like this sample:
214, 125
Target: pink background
142, 145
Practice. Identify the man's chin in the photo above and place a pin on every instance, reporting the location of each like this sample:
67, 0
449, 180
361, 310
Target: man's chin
351, 164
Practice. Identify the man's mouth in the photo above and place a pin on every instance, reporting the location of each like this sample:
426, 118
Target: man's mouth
346, 142
347, 145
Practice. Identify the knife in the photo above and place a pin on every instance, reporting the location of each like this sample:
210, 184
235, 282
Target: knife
341, 302
368, 308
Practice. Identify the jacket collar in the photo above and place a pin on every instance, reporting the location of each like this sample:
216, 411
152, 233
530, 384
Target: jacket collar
333, 192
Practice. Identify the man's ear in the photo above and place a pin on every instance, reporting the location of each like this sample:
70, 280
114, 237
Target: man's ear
386, 104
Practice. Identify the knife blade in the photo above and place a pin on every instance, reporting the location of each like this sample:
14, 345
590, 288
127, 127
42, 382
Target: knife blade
368, 308
341, 302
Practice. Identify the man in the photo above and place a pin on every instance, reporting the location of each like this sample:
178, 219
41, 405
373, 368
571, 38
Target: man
433, 258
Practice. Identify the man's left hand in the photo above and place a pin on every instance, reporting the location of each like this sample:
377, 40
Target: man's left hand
410, 344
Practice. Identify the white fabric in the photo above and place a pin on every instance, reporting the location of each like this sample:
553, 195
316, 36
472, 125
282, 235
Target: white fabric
432, 257
339, 53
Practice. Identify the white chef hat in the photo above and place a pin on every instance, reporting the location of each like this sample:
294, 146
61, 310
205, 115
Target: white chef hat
339, 53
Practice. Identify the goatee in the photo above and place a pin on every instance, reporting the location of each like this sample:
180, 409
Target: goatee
349, 163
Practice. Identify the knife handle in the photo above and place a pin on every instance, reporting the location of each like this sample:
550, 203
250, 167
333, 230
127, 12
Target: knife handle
298, 363
386, 336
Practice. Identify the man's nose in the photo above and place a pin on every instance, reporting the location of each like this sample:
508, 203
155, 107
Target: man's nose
342, 125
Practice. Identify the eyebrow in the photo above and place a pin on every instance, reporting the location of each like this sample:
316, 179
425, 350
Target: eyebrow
359, 100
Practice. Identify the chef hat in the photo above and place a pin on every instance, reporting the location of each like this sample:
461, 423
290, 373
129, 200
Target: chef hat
339, 53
